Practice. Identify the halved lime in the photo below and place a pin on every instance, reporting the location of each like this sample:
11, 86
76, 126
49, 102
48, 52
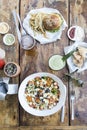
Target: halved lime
56, 62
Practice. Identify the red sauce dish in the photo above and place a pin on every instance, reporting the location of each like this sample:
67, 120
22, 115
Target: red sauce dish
76, 33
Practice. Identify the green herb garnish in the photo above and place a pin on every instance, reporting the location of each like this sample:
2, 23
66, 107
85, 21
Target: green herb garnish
76, 81
65, 57
54, 91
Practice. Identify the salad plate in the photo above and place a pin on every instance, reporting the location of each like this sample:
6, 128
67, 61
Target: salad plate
43, 112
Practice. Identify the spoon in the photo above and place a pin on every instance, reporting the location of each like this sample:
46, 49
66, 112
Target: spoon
26, 41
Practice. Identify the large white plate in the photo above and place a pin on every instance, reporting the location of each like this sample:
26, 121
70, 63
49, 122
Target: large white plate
51, 37
33, 111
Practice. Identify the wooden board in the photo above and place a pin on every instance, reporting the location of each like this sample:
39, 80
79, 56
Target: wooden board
9, 108
78, 16
46, 128
36, 60
12, 115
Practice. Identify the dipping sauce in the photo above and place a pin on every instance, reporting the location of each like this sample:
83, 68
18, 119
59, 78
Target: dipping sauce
27, 42
9, 39
11, 69
76, 33
72, 33
56, 62
4, 27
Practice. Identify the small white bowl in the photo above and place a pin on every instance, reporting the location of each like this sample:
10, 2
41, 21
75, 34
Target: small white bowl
27, 42
76, 33
9, 39
2, 53
4, 28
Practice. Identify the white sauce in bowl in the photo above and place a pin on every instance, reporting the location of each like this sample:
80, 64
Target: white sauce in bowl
9, 39
4, 27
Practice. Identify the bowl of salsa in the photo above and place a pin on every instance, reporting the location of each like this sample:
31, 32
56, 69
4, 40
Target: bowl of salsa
12, 69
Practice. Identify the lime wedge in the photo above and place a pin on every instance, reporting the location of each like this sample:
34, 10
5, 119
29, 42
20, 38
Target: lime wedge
56, 62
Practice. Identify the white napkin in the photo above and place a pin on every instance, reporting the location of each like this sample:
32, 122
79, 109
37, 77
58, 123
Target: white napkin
70, 63
51, 37
12, 89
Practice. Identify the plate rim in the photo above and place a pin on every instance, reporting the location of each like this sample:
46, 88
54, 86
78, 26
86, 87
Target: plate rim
36, 112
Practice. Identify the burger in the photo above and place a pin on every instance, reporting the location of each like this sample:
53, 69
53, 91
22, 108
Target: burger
52, 22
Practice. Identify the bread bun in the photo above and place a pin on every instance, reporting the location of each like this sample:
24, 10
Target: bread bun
52, 22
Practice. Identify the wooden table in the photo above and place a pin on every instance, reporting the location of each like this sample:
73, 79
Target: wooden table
12, 115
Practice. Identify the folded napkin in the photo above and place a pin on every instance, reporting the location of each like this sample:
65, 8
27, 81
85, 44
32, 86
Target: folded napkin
6, 88
70, 63
51, 37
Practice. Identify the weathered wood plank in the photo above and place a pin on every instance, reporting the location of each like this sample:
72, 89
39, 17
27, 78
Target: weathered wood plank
46, 128
10, 128
36, 60
9, 108
78, 16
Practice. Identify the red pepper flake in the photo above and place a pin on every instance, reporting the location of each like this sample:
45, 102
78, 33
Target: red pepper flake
72, 33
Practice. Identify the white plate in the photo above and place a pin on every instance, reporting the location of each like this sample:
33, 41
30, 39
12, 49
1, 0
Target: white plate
33, 111
70, 63
51, 37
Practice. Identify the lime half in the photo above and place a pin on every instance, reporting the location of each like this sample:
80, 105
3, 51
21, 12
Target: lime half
56, 62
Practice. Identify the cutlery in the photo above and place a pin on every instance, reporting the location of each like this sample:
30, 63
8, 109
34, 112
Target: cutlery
22, 29
62, 113
25, 40
17, 28
72, 98
77, 82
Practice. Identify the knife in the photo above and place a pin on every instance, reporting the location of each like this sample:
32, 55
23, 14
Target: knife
62, 113
16, 24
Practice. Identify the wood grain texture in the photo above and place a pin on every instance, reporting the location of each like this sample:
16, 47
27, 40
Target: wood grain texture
12, 116
78, 16
36, 60
46, 128
9, 108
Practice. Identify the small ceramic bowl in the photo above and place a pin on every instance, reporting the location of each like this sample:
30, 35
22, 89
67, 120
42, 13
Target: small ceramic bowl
9, 39
4, 28
76, 33
27, 42
56, 62
12, 69
2, 53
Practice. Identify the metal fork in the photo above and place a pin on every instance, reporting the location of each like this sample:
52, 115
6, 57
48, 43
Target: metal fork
72, 98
